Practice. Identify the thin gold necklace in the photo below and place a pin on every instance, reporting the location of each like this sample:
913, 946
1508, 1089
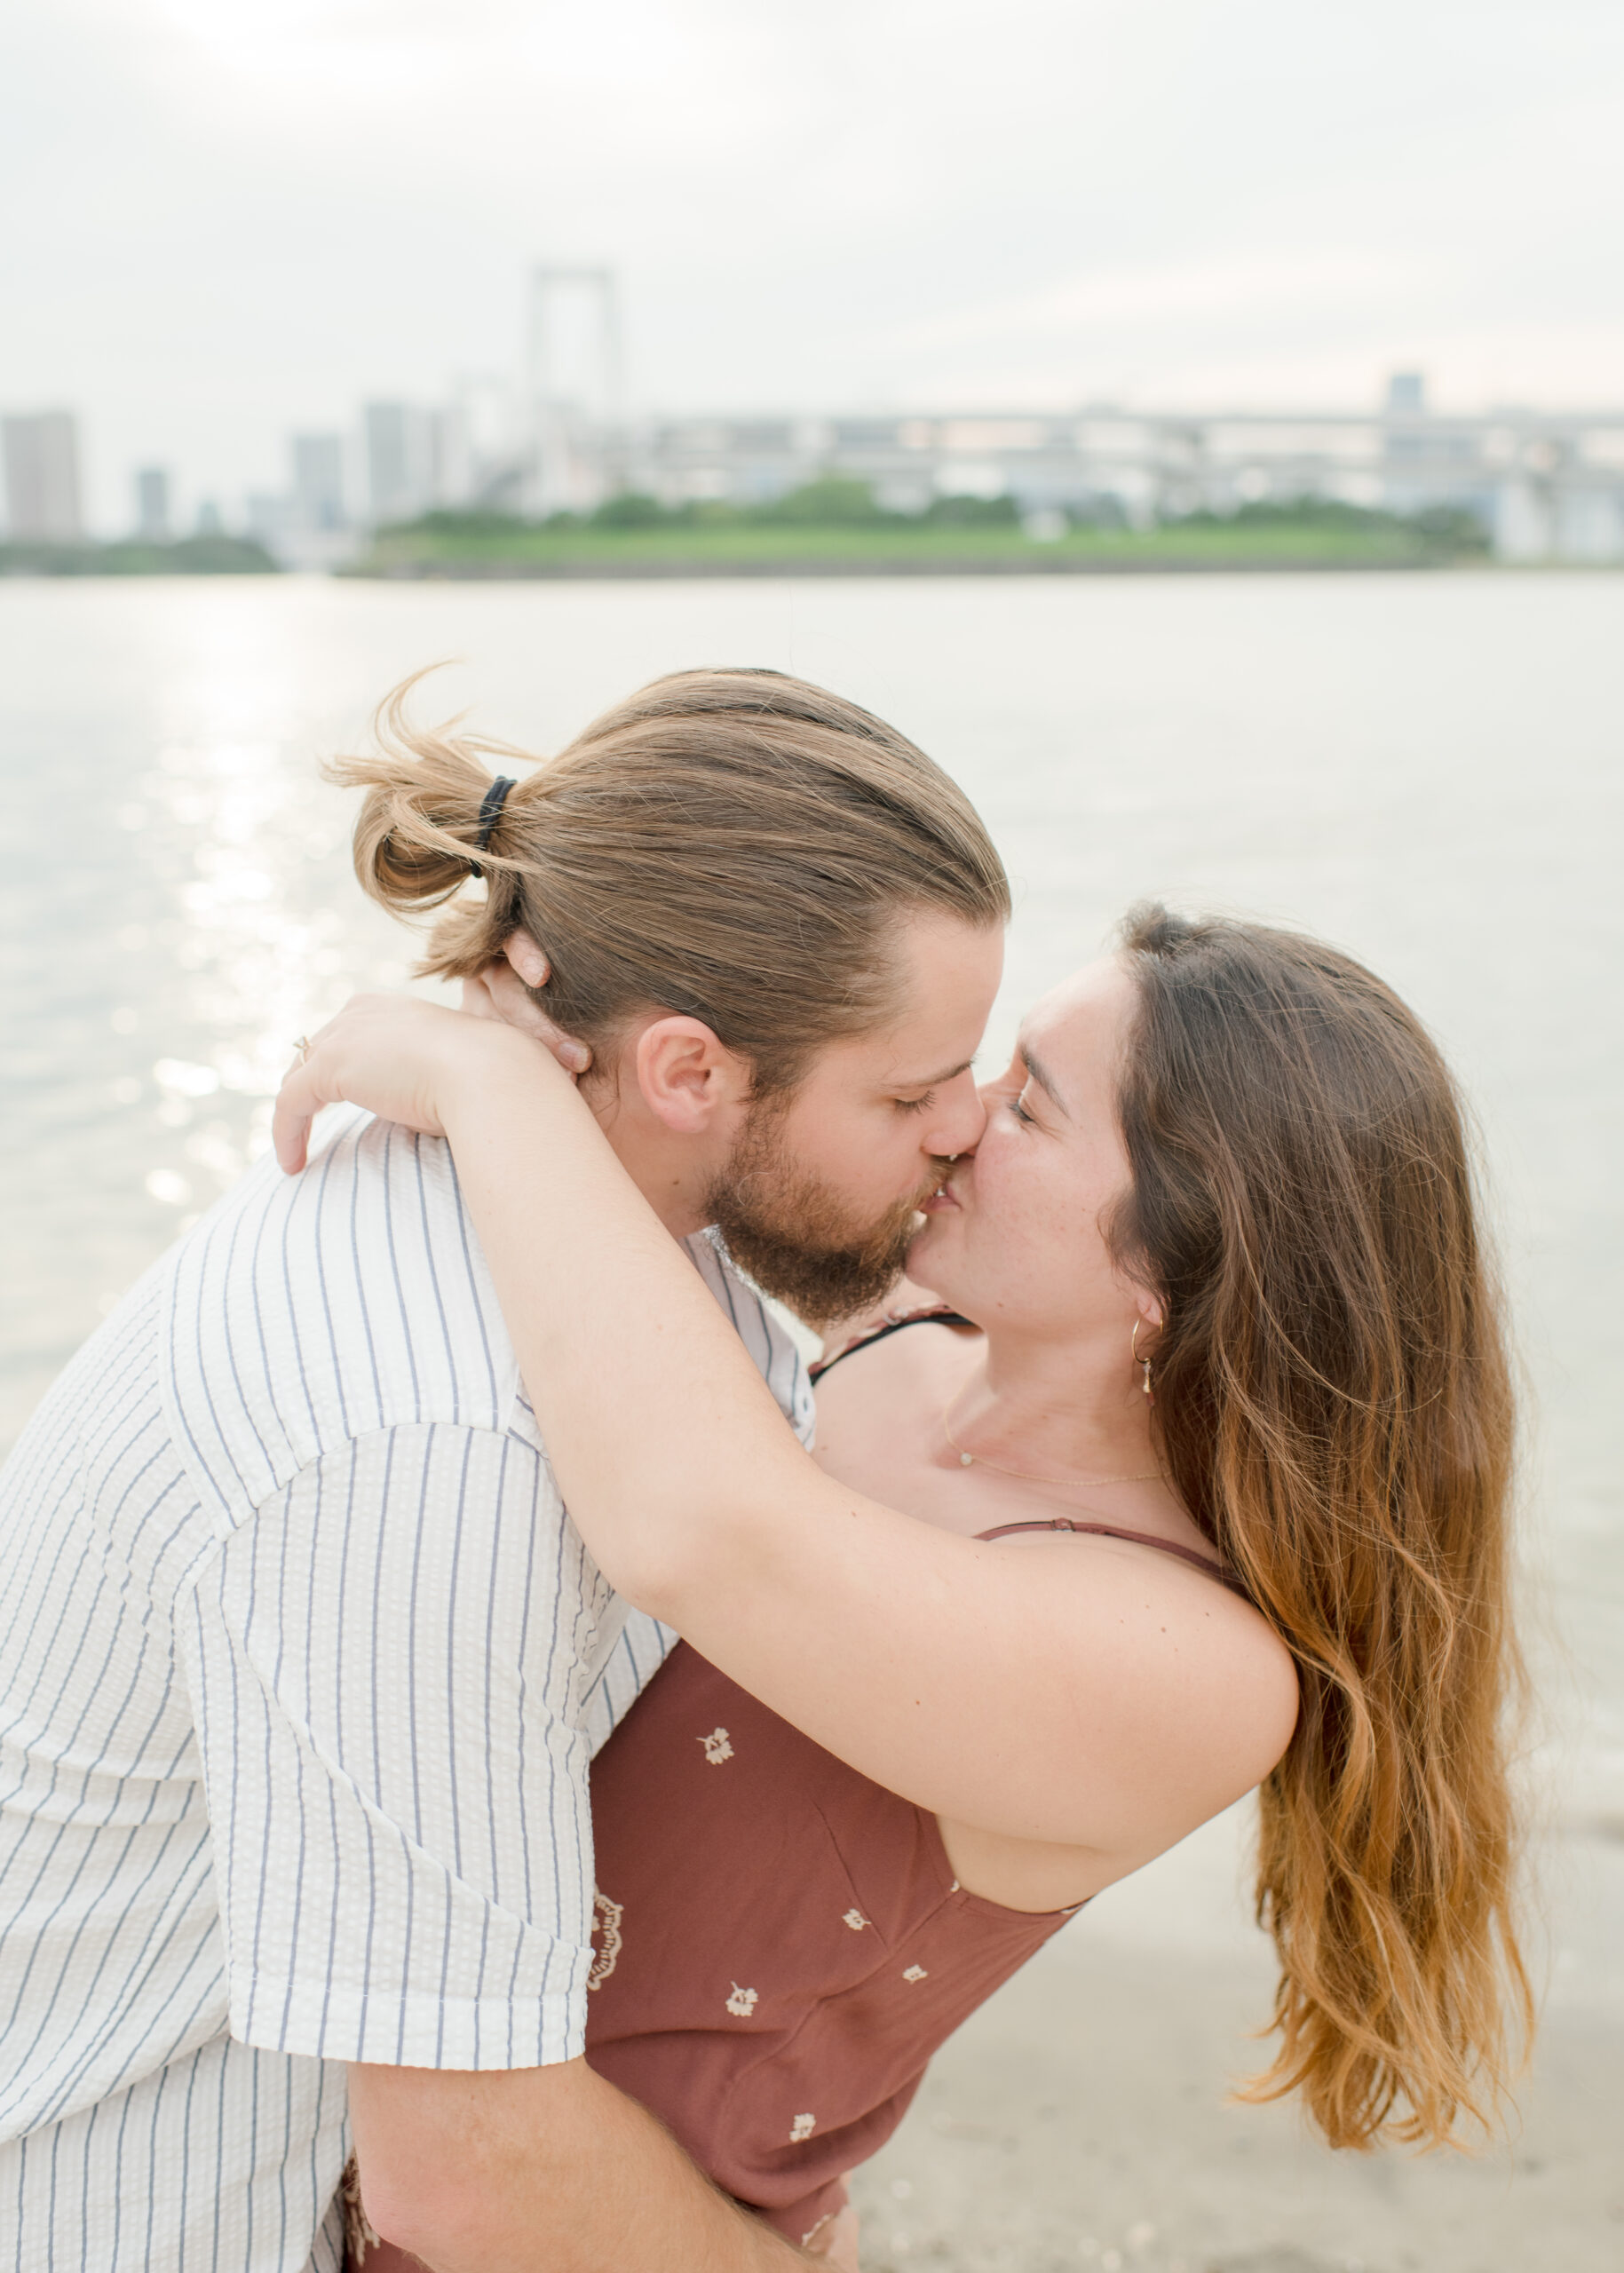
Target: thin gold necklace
1025, 1476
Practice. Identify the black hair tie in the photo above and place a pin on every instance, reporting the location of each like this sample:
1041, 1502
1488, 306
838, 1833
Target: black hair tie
490, 814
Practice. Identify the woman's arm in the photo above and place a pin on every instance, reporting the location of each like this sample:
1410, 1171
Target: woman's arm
1029, 1688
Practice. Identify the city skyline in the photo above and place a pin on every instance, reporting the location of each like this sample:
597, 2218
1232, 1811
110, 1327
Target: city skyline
243, 219
557, 432
1540, 485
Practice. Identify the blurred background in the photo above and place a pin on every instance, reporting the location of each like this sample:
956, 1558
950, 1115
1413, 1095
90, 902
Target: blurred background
570, 346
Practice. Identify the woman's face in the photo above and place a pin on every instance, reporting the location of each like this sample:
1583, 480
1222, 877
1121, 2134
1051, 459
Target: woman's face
1015, 1239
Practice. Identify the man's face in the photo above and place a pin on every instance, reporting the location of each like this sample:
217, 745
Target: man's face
818, 1198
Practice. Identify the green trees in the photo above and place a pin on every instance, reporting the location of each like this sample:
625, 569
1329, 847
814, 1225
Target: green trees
209, 554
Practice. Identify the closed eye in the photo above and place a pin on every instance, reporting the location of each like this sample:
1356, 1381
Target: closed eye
1021, 1113
915, 1105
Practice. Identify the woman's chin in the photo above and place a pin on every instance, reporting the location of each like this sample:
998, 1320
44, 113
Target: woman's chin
925, 1256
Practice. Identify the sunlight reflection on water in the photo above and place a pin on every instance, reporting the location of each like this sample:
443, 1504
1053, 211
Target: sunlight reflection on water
181, 910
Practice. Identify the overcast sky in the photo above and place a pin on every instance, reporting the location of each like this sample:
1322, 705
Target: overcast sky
226, 219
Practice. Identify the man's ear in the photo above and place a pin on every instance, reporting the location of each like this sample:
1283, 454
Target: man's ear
689, 1079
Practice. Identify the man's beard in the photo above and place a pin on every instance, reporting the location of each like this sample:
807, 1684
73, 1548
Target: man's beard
795, 1238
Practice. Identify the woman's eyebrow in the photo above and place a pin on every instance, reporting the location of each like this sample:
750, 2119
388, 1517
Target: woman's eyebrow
1044, 1080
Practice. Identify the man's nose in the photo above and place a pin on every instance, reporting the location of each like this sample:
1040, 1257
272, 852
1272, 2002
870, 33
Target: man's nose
958, 1120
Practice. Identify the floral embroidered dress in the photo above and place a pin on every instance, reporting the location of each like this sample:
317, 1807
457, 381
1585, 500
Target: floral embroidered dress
781, 1945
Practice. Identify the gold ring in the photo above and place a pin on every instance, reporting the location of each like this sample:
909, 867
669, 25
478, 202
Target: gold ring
303, 1046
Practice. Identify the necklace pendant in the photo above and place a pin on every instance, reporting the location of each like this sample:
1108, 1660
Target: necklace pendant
966, 1460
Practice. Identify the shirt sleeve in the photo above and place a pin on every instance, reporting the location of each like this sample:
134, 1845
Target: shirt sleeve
384, 1665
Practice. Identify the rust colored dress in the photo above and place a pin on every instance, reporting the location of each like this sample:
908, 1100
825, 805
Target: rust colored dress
780, 1943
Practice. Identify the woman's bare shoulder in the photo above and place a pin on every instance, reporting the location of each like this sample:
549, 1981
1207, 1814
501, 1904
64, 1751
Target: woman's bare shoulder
1203, 1678
1241, 1706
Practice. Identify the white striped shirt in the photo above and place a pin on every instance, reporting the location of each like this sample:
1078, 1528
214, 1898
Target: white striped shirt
302, 1667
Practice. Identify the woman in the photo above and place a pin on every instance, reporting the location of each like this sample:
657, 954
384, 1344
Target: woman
1197, 1479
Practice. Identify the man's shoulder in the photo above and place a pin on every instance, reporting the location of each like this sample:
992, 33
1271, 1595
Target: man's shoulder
305, 1311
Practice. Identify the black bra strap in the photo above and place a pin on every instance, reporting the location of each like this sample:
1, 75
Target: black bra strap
892, 1326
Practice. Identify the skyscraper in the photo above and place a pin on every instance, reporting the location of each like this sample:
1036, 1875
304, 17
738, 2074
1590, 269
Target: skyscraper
318, 480
152, 505
399, 475
42, 477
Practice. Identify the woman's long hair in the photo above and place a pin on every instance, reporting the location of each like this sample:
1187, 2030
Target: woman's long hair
1334, 1404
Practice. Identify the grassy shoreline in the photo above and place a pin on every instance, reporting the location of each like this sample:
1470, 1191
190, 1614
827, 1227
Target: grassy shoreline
208, 555
527, 551
679, 569
832, 528
835, 526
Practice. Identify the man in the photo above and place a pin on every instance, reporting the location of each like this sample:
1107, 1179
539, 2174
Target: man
303, 1659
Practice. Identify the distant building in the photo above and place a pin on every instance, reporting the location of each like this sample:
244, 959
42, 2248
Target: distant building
42, 477
574, 386
269, 517
152, 505
484, 451
209, 520
400, 461
309, 525
318, 481
1544, 485
451, 456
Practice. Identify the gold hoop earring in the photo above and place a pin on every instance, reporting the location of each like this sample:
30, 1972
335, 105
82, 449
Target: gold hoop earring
1144, 1364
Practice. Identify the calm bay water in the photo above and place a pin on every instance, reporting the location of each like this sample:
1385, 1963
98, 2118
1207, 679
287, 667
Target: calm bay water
1426, 769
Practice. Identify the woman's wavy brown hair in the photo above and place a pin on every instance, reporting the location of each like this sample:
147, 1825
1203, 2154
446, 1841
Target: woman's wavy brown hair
1334, 1402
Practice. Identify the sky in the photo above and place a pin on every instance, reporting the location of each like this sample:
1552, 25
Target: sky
226, 219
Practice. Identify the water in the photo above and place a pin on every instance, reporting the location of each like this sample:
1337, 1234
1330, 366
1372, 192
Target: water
1426, 769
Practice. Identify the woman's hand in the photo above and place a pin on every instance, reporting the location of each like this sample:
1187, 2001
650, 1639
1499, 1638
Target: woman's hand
393, 1055
404, 1059
506, 989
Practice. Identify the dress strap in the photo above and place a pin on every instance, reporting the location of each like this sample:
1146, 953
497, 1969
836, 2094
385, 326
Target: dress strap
939, 1315
1213, 1570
